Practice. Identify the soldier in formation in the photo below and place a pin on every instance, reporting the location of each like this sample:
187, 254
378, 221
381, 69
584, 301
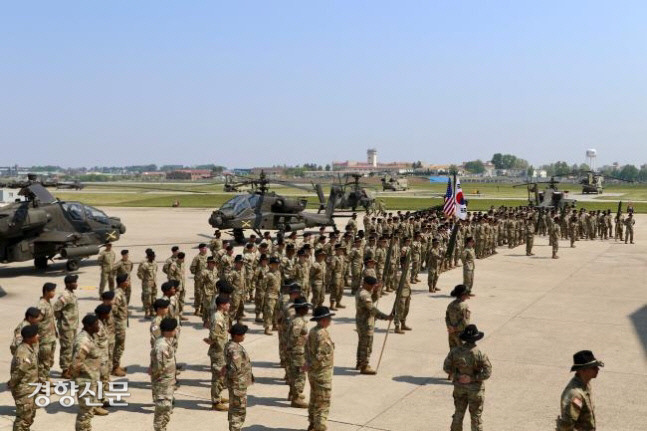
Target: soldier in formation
106, 261
163, 374
24, 373
319, 363
238, 376
66, 310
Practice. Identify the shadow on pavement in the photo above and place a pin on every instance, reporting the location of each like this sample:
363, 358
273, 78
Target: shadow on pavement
639, 320
422, 381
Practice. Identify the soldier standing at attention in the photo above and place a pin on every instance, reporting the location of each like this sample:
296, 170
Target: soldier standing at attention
337, 267
175, 250
198, 264
259, 282
555, 234
176, 273
297, 335
120, 315
215, 245
356, 259
106, 260
319, 362
102, 338
24, 372
457, 316
629, 228
577, 409
530, 235
161, 312
236, 277
469, 368
32, 317
208, 279
238, 375
163, 372
366, 313
434, 260
66, 310
352, 224
124, 266
317, 278
403, 300
46, 333
272, 292
86, 370
468, 258
218, 329
302, 272
147, 273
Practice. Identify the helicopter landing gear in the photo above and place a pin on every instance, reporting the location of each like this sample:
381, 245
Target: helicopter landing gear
40, 262
72, 265
239, 236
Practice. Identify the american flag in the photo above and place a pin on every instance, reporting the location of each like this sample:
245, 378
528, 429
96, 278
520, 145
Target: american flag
450, 203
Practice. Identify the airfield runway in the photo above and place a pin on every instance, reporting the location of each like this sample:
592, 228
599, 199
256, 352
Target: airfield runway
535, 312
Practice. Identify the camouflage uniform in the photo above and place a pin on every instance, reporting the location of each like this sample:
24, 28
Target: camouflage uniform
433, 267
147, 273
366, 313
46, 340
530, 236
198, 264
124, 267
336, 279
101, 338
120, 316
468, 360
218, 338
319, 357
317, 278
554, 237
176, 272
272, 291
356, 261
208, 279
163, 381
577, 408
66, 310
302, 276
24, 370
259, 281
296, 342
86, 369
402, 304
155, 330
468, 259
17, 337
236, 278
106, 260
238, 378
416, 254
457, 317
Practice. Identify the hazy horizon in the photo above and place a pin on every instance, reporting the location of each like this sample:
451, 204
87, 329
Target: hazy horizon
262, 84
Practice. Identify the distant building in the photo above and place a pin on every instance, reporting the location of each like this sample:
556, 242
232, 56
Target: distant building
273, 171
189, 174
155, 175
539, 173
351, 166
371, 155
8, 196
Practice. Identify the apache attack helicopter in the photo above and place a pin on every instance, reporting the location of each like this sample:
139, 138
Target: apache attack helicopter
547, 198
261, 209
354, 194
394, 183
42, 228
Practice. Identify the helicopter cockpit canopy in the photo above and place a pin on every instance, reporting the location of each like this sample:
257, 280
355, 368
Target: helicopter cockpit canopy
79, 212
238, 204
37, 191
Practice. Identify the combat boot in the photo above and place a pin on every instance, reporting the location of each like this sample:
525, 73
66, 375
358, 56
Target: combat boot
66, 374
405, 327
100, 411
220, 407
258, 318
332, 306
340, 305
298, 403
398, 330
368, 370
118, 371
267, 331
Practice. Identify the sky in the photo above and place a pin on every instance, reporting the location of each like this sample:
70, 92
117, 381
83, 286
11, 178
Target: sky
261, 83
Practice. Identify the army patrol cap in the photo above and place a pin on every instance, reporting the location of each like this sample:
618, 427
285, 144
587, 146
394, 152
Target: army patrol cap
459, 291
471, 334
108, 294
238, 329
161, 303
175, 248
263, 257
89, 320
48, 287
29, 331
289, 247
70, 278
32, 312
229, 247
321, 312
274, 260
222, 300
122, 278
584, 359
202, 245
150, 252
167, 285
238, 258
210, 259
168, 324
181, 255
371, 281
102, 309
124, 252
250, 246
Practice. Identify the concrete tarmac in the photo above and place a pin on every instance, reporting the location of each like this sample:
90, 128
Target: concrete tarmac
535, 312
